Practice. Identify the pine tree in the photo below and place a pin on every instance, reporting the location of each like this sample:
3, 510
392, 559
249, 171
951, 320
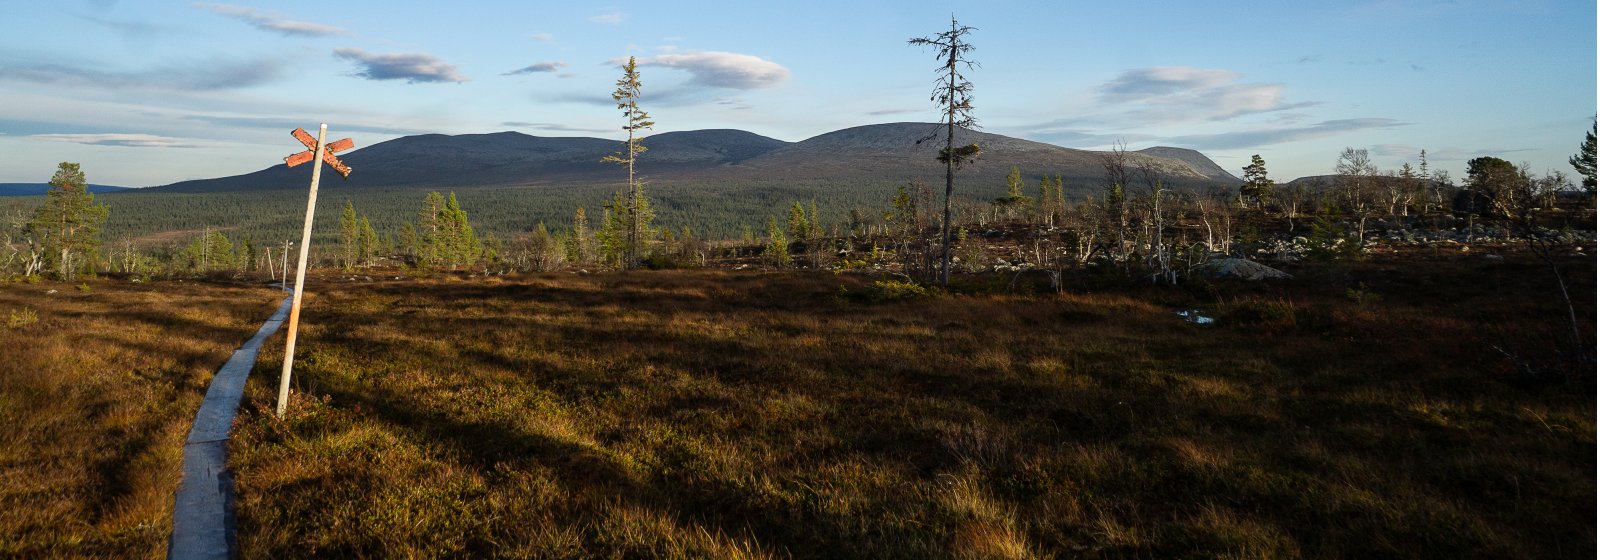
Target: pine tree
636, 213
69, 221
1257, 188
954, 95
1584, 161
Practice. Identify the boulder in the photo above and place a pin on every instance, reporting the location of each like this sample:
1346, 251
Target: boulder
1240, 269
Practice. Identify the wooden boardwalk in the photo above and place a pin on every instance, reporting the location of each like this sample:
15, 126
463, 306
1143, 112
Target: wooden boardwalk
202, 518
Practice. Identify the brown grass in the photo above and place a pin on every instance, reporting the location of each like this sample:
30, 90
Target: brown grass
733, 415
97, 393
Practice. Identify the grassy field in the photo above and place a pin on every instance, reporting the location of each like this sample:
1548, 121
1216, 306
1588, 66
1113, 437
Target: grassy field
99, 383
1356, 411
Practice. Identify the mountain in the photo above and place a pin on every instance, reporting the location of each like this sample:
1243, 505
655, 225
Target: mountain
878, 153
34, 189
1196, 160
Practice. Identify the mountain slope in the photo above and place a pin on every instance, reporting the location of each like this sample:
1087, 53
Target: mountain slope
1196, 160
873, 153
35, 189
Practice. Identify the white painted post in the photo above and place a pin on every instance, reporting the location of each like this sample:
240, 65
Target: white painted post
300, 275
285, 277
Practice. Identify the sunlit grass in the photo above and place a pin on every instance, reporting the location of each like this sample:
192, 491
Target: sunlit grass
733, 415
97, 393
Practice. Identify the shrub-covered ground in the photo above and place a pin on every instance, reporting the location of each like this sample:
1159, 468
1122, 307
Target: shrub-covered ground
1358, 410
99, 384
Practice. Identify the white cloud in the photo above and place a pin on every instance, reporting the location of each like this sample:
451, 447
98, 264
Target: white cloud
722, 69
267, 21
122, 140
543, 37
188, 76
411, 67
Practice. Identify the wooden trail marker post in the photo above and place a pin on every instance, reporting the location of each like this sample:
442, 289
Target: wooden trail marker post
315, 150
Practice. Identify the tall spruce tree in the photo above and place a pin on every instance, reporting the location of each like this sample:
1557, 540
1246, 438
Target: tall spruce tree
953, 93
636, 214
68, 223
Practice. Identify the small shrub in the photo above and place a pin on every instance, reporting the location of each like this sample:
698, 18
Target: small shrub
1271, 312
884, 291
21, 318
1361, 295
84, 287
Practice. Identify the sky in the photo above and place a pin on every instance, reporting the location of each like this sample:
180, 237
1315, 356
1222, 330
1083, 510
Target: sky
153, 92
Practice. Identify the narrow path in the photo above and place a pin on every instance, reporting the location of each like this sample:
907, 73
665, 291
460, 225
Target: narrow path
202, 518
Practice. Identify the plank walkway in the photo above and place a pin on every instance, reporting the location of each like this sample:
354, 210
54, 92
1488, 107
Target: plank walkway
202, 517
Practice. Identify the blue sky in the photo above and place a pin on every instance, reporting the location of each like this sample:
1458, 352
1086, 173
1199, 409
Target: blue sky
147, 93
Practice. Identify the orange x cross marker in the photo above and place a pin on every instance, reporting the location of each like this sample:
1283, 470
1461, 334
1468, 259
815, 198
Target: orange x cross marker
327, 152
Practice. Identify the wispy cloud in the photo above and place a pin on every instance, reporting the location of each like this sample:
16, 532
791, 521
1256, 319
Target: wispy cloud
1170, 94
722, 69
1437, 154
732, 103
554, 127
612, 17
120, 140
268, 21
886, 112
543, 37
411, 67
538, 68
1269, 136
291, 124
202, 75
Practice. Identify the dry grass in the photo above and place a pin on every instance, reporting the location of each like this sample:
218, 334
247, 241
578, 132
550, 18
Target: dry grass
98, 388
728, 415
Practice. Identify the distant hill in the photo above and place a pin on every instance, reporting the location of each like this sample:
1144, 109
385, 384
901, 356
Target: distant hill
34, 189
872, 153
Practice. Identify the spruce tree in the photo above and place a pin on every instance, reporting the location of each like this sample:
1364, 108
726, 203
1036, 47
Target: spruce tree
799, 227
367, 242
636, 213
954, 95
777, 245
